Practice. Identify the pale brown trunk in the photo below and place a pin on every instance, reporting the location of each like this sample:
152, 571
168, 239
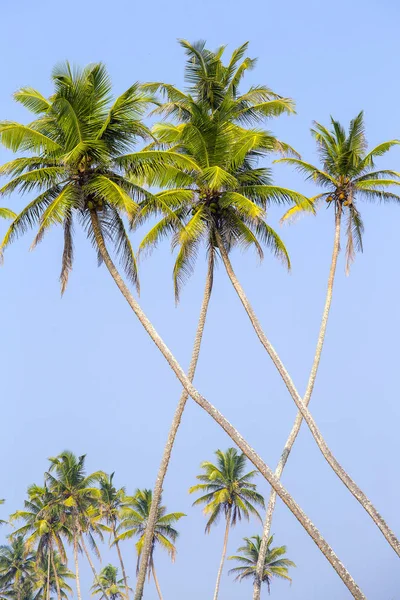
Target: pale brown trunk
48, 577
96, 577
56, 576
337, 468
299, 418
156, 582
116, 542
78, 582
151, 523
221, 566
223, 422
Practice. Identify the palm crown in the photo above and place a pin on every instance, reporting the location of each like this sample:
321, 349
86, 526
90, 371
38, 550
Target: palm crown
114, 587
348, 175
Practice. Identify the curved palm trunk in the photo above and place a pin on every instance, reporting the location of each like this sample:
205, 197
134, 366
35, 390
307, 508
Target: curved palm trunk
78, 581
156, 582
221, 566
337, 468
96, 578
223, 422
53, 566
299, 418
116, 542
172, 434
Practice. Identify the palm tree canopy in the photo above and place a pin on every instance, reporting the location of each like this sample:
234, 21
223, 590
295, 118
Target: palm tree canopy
108, 580
16, 563
41, 578
274, 566
111, 500
348, 174
229, 491
222, 193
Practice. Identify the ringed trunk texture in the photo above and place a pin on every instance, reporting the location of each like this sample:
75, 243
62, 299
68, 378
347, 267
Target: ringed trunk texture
221, 566
223, 422
96, 578
337, 468
172, 434
78, 582
299, 418
121, 562
156, 582
53, 566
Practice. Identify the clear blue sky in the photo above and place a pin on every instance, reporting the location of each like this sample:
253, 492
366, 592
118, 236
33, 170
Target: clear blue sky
80, 373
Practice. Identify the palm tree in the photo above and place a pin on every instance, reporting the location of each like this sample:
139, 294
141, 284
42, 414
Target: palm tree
16, 566
109, 579
229, 492
51, 575
274, 563
46, 143
111, 502
210, 111
348, 175
134, 521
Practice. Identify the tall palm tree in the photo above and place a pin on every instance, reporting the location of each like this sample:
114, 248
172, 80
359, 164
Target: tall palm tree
274, 564
134, 520
109, 579
348, 175
16, 566
229, 492
213, 95
111, 502
41, 141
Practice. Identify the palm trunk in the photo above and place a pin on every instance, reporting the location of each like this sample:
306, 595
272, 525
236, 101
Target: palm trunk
48, 577
59, 597
221, 566
222, 421
337, 468
156, 582
299, 418
96, 578
151, 523
78, 582
121, 562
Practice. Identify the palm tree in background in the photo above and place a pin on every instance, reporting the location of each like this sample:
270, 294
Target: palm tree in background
115, 588
225, 193
111, 503
275, 565
51, 575
134, 521
16, 567
229, 492
348, 175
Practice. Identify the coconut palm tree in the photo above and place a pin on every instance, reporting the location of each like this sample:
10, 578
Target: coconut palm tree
16, 566
73, 112
111, 502
274, 563
134, 521
229, 492
348, 176
213, 96
109, 579
51, 575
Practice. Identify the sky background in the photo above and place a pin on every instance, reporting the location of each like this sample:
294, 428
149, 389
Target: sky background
80, 373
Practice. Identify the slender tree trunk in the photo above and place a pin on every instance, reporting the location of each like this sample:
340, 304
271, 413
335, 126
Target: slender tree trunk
338, 469
96, 577
156, 582
56, 576
221, 566
48, 577
121, 562
223, 422
78, 582
299, 418
151, 523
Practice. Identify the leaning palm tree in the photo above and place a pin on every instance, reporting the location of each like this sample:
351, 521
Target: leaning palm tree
134, 521
275, 565
16, 566
229, 492
348, 176
116, 588
67, 132
213, 97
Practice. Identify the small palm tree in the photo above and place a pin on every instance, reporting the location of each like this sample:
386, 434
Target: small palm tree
230, 493
51, 575
114, 587
274, 563
16, 566
134, 521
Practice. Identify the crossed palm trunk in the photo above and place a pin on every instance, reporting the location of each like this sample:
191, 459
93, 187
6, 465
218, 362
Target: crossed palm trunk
173, 431
299, 418
222, 421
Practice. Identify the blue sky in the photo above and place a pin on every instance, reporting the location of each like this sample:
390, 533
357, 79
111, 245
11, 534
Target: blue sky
80, 373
